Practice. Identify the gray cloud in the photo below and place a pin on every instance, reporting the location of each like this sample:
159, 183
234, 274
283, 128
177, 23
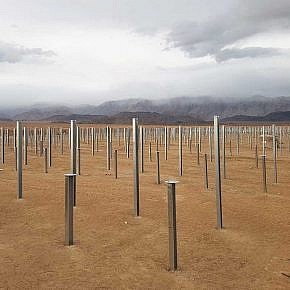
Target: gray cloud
12, 53
231, 53
243, 19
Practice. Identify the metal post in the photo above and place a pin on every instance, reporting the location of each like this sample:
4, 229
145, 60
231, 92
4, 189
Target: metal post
275, 163
224, 151
19, 159
49, 147
41, 142
93, 140
205, 172
69, 203
238, 141
165, 143
280, 140
8, 137
61, 141
263, 136
108, 149
158, 167
218, 173
210, 143
79, 150
180, 150
256, 156
3, 145
35, 140
264, 173
197, 154
142, 148
73, 150
116, 164
97, 142
40, 147
128, 142
172, 225
25, 145
199, 138
136, 166
45, 160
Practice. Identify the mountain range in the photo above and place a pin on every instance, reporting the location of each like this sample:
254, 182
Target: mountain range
171, 111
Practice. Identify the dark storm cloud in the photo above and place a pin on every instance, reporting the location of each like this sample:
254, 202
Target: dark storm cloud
12, 53
242, 19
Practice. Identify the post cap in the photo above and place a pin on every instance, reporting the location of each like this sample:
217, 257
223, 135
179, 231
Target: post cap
171, 181
70, 174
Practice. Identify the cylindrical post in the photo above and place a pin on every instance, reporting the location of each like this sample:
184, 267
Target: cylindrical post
40, 147
256, 156
275, 163
3, 145
136, 166
69, 203
224, 151
274, 153
180, 150
45, 160
280, 140
263, 137
35, 140
93, 140
218, 174
73, 150
49, 147
25, 145
142, 148
210, 143
205, 172
238, 141
128, 143
157, 167
150, 152
108, 149
197, 154
79, 150
165, 142
41, 142
61, 141
172, 225
264, 173
116, 164
19, 159
199, 138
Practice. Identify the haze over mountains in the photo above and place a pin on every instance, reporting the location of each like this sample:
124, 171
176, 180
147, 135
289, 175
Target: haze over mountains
175, 110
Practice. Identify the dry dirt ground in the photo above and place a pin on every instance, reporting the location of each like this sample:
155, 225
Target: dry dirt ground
115, 250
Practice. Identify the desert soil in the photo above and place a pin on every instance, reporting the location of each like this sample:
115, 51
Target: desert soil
115, 250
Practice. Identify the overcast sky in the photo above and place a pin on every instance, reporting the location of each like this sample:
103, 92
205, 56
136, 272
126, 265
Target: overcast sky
85, 51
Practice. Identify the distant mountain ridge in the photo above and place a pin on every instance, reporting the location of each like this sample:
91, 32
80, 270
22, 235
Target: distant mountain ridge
198, 108
146, 118
283, 116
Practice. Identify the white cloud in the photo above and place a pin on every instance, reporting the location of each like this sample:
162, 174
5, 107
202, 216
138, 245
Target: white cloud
86, 51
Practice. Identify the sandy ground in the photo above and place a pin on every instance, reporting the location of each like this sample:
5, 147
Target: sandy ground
115, 250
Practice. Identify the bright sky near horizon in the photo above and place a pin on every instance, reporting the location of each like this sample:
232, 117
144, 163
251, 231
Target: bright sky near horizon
84, 51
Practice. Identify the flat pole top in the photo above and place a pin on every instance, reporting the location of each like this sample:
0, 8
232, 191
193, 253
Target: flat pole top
171, 181
70, 174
